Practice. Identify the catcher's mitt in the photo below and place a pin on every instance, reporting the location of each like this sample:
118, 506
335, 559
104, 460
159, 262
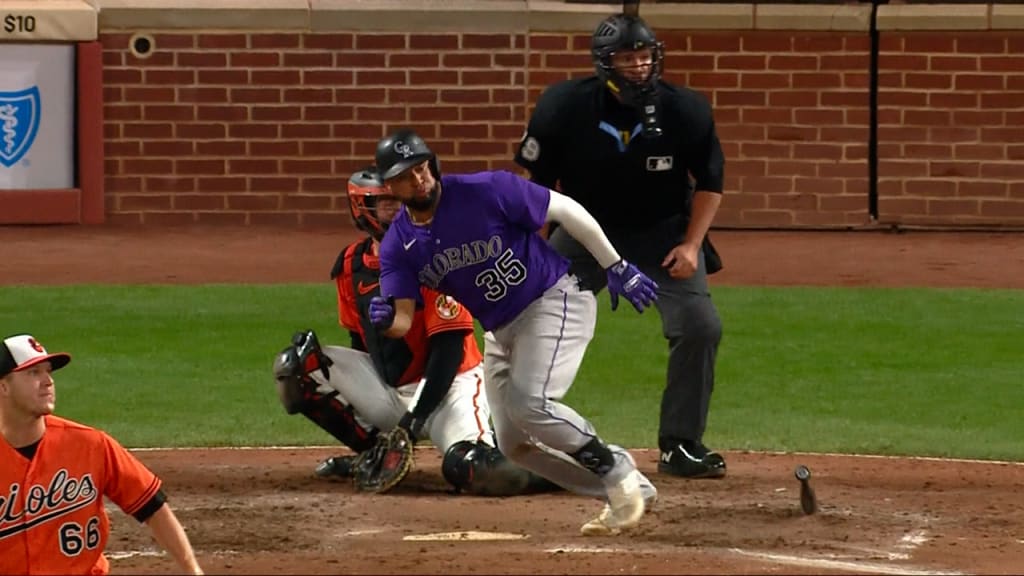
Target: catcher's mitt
382, 467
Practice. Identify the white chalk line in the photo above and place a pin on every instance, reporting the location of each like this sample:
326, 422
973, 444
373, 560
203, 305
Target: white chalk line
912, 540
125, 554
873, 553
465, 536
366, 532
903, 549
851, 565
640, 450
590, 550
149, 552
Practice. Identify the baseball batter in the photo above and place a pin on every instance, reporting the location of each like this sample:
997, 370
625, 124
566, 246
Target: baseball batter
429, 382
55, 473
474, 237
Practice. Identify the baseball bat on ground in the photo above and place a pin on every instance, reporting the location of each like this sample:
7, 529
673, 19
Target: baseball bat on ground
808, 500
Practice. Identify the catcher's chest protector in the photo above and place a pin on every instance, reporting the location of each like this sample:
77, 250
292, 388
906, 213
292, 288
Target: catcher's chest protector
391, 356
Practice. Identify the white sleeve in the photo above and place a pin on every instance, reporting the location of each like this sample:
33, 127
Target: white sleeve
583, 227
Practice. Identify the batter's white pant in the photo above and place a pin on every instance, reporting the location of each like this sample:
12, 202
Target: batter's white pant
531, 363
463, 415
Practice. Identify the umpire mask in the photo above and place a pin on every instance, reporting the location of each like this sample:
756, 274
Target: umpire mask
624, 35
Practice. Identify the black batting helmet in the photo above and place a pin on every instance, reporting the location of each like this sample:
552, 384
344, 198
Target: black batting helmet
401, 151
364, 189
621, 32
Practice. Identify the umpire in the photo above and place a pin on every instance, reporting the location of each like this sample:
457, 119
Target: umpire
643, 157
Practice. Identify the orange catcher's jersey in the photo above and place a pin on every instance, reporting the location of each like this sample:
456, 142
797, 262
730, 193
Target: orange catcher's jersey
400, 361
52, 519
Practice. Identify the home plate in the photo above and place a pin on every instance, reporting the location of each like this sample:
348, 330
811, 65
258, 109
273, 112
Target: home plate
465, 536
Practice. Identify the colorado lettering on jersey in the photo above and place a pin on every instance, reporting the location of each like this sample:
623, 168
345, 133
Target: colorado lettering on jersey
454, 258
44, 503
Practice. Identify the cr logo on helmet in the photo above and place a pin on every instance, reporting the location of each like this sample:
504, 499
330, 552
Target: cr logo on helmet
403, 149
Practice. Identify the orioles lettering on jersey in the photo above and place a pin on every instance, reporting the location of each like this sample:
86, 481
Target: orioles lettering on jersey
52, 516
42, 504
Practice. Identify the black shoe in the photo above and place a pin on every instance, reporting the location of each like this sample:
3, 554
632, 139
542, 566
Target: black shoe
340, 466
691, 460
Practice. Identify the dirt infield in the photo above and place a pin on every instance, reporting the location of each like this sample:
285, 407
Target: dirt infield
262, 511
66, 255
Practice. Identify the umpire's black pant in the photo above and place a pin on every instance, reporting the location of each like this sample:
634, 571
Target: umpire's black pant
689, 321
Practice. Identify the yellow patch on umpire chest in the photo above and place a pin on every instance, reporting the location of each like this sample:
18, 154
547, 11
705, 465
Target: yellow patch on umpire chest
447, 307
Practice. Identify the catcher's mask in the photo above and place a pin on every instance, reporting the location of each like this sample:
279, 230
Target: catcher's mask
401, 151
287, 364
622, 32
288, 376
364, 192
301, 358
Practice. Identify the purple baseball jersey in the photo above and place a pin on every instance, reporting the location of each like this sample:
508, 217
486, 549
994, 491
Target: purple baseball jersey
481, 248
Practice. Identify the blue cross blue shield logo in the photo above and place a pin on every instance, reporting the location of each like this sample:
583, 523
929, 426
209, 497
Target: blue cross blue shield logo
19, 122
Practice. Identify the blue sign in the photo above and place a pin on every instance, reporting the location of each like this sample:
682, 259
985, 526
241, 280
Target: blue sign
19, 122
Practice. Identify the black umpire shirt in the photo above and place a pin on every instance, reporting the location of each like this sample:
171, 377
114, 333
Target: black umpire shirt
583, 139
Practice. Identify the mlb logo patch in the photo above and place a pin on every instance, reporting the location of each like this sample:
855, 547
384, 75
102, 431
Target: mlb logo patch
19, 122
659, 163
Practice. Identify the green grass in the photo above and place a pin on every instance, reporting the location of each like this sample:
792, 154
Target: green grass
930, 372
885, 371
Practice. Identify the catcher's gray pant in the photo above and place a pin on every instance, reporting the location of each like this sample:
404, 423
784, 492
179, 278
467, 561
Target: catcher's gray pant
531, 363
689, 321
463, 415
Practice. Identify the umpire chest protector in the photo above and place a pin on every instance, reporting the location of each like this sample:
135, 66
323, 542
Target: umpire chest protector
583, 137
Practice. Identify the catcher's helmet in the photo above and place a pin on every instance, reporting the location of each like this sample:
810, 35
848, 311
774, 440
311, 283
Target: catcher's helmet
401, 151
621, 32
364, 189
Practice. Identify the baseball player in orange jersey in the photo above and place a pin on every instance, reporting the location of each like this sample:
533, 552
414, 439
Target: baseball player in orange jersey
430, 381
56, 472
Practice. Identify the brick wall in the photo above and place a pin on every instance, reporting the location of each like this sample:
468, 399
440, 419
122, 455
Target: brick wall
951, 128
264, 127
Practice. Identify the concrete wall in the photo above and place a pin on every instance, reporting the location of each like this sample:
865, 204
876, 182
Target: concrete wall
256, 111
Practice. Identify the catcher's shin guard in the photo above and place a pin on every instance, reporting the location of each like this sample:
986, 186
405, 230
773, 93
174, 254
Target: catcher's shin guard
483, 470
338, 420
298, 392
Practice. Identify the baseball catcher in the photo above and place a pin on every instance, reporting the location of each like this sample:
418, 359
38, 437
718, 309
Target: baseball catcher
380, 396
